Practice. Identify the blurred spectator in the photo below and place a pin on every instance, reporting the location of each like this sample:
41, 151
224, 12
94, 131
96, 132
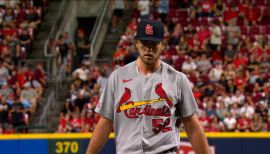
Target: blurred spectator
82, 45
219, 8
247, 110
216, 72
4, 112
207, 7
30, 81
39, 74
203, 63
118, 56
216, 125
230, 53
256, 123
89, 122
9, 18
204, 120
68, 107
163, 10
230, 14
251, 14
189, 65
230, 122
4, 73
176, 33
221, 110
194, 9
31, 19
268, 123
62, 123
76, 123
102, 79
80, 101
120, 6
243, 123
24, 43
29, 97
232, 34
131, 55
62, 50
215, 40
239, 97
22, 76
144, 8
81, 73
210, 108
6, 91
240, 61
17, 114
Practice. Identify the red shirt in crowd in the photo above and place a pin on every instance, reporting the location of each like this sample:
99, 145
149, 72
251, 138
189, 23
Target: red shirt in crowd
76, 122
207, 5
22, 77
252, 14
9, 32
203, 35
62, 122
214, 128
90, 122
243, 123
243, 8
239, 81
230, 14
268, 125
205, 122
240, 61
258, 52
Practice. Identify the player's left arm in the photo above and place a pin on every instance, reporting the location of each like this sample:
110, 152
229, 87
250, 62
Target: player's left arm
196, 135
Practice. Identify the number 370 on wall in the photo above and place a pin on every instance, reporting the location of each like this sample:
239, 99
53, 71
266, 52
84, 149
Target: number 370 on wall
66, 147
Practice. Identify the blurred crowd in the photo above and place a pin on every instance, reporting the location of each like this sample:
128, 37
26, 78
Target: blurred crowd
223, 46
21, 87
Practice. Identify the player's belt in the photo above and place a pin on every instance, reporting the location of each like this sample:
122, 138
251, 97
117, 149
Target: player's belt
173, 149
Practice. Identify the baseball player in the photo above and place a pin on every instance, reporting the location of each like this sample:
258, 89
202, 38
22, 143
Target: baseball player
144, 100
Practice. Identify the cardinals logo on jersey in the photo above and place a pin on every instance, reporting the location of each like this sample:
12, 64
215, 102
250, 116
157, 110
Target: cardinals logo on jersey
125, 103
162, 94
125, 97
149, 30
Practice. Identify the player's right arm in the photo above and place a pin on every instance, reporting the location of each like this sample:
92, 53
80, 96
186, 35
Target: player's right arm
100, 135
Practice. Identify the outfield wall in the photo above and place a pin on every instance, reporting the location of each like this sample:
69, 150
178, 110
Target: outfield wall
221, 143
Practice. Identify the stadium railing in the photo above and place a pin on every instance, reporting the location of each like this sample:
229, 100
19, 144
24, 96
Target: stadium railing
48, 46
99, 30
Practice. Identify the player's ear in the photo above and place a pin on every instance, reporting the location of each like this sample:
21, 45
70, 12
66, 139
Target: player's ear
136, 43
164, 44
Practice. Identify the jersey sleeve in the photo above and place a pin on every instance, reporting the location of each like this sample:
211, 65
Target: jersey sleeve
187, 103
105, 106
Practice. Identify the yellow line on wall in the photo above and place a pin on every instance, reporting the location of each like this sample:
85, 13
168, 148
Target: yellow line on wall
89, 135
239, 135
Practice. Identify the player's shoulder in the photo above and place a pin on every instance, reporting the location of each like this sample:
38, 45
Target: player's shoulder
125, 70
171, 70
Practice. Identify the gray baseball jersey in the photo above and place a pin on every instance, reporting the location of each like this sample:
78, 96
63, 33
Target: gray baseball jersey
143, 109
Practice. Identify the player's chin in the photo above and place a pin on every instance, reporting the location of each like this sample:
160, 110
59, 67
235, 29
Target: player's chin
149, 60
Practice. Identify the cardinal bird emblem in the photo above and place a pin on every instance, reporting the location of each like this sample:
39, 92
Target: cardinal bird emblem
149, 29
162, 94
125, 97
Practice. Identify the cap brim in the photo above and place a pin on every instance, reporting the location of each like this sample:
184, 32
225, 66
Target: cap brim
149, 39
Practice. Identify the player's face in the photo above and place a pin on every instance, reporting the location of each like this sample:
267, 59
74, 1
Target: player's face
149, 51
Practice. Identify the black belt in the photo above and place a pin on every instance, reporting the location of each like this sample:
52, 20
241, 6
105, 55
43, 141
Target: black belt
173, 149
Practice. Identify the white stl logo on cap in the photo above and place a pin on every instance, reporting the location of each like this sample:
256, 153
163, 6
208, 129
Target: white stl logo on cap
149, 29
